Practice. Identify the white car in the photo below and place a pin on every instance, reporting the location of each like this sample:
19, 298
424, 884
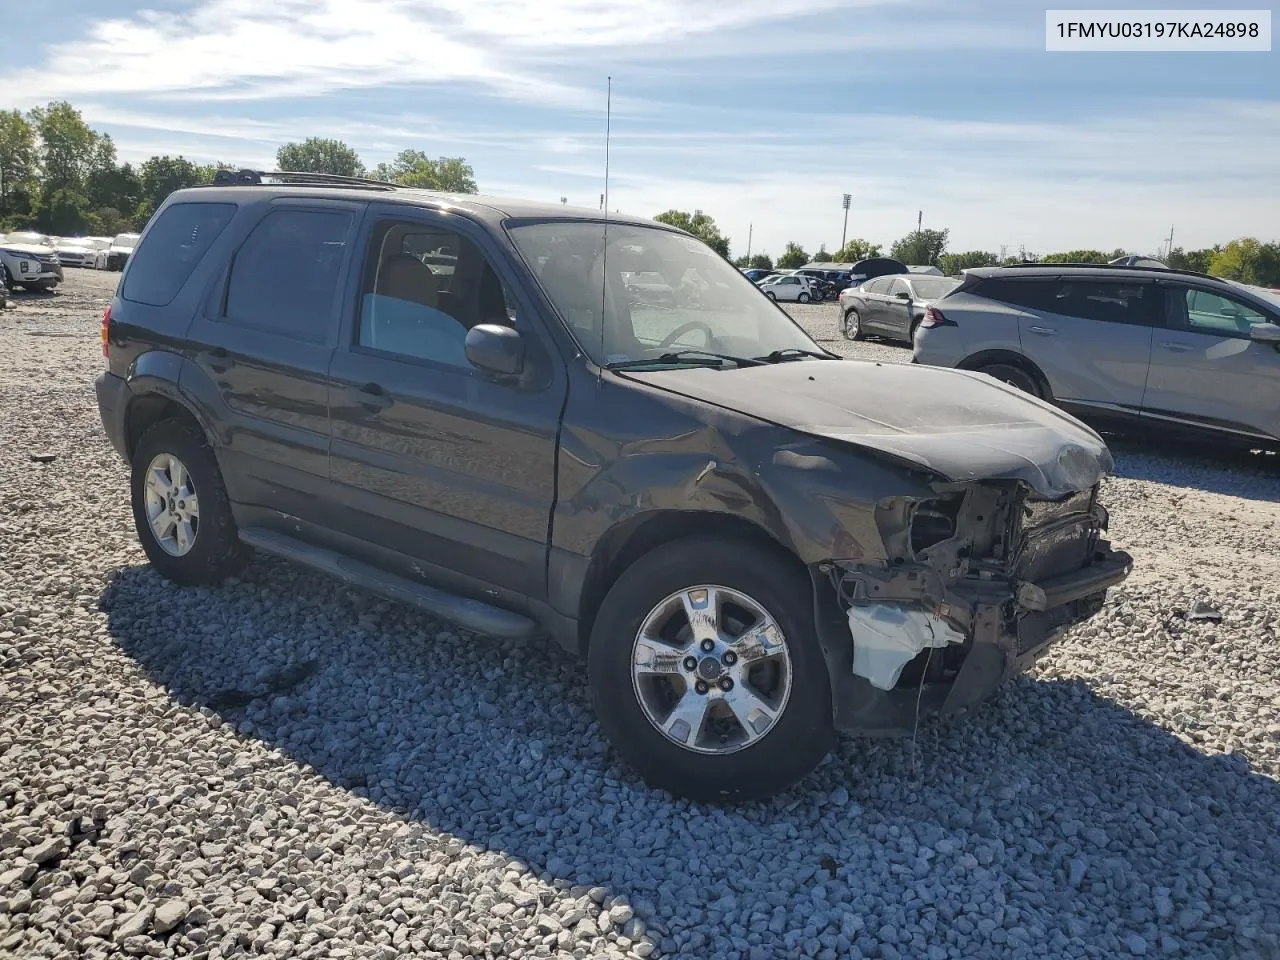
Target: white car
788, 286
30, 266
122, 247
81, 252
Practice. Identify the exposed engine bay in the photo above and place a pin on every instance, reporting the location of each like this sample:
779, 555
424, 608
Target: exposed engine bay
982, 565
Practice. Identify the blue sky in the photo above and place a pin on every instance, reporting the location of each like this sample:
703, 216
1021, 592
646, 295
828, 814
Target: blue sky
759, 113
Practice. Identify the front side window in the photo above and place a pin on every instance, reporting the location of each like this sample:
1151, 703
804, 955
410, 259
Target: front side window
1203, 311
704, 302
424, 287
285, 275
176, 242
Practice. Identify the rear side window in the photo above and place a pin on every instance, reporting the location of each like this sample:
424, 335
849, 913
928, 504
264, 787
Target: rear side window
174, 245
1033, 294
285, 275
1108, 301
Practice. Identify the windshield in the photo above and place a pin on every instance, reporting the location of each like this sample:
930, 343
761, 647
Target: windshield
658, 292
928, 288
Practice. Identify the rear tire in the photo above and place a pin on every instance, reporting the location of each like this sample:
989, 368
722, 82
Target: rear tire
210, 550
719, 758
1014, 377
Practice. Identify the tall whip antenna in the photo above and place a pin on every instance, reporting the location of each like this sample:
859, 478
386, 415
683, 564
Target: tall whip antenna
604, 255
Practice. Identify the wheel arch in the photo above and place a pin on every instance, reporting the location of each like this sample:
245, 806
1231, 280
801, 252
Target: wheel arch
628, 541
150, 407
985, 358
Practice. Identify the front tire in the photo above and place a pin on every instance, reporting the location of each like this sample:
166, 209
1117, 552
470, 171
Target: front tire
180, 507
771, 295
852, 325
706, 672
803, 298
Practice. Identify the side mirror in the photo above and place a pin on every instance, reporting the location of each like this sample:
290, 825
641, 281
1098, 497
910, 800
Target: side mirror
1265, 332
495, 348
902, 295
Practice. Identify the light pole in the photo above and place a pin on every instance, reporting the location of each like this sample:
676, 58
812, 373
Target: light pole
848, 198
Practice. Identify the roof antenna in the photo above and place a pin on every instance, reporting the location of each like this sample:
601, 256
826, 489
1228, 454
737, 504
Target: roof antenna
604, 255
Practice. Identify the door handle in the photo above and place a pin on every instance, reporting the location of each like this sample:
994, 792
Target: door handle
1043, 331
372, 397
1175, 346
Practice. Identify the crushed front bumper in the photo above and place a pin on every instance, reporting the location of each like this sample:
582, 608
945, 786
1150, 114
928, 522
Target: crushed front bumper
945, 636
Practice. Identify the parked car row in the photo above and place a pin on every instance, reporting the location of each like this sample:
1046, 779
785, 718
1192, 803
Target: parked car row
825, 281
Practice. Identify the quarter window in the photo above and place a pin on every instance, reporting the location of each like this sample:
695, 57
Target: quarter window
285, 274
424, 287
176, 242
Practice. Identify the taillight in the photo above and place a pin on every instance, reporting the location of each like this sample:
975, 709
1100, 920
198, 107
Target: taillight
933, 317
106, 334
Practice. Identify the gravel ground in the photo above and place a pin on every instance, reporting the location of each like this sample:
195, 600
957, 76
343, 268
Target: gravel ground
283, 767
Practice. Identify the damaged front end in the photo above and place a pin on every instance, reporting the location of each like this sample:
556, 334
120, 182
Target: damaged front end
971, 586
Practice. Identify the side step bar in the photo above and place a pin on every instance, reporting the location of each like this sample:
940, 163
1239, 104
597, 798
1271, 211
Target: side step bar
475, 615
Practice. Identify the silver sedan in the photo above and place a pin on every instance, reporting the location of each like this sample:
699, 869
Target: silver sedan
890, 306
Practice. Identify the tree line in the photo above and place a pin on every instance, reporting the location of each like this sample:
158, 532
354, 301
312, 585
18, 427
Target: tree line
1245, 259
61, 177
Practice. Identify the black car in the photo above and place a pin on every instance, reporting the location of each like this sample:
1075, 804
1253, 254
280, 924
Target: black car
454, 402
821, 285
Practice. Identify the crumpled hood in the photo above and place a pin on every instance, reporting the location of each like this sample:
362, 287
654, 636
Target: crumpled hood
961, 425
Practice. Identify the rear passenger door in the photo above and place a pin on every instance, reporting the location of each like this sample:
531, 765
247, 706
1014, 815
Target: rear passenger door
263, 340
1090, 337
452, 468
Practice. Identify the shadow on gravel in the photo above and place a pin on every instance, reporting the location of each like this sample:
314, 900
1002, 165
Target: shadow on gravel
1048, 811
1237, 473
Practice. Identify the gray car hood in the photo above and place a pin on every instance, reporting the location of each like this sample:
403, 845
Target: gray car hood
961, 425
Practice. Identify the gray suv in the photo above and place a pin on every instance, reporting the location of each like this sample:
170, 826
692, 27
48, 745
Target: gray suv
1177, 350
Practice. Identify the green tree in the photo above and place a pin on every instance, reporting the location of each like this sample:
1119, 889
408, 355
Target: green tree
1248, 261
700, 225
64, 211
761, 261
792, 257
822, 256
319, 155
1196, 260
921, 247
18, 164
69, 149
160, 176
413, 168
954, 264
1080, 256
856, 250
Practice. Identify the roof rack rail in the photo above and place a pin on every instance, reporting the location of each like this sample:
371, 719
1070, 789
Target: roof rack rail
1110, 266
227, 178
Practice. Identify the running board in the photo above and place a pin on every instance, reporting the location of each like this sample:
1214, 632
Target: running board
475, 615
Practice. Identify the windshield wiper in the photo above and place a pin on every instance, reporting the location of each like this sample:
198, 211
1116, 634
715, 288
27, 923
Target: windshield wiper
793, 353
699, 358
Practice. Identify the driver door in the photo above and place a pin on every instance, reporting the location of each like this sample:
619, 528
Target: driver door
1206, 371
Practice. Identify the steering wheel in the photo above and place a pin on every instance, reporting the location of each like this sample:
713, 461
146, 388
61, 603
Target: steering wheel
684, 328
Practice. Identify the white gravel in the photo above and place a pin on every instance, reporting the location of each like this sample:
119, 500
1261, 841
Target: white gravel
281, 767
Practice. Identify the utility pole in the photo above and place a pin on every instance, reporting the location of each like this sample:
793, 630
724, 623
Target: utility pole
1169, 252
750, 230
602, 201
919, 220
1003, 248
844, 233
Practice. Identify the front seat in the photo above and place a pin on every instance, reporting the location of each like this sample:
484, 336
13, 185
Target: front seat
405, 277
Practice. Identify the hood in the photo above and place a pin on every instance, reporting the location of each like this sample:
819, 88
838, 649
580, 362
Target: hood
960, 425
30, 249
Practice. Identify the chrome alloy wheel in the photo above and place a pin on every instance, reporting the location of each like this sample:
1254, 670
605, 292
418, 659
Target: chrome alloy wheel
711, 669
173, 509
